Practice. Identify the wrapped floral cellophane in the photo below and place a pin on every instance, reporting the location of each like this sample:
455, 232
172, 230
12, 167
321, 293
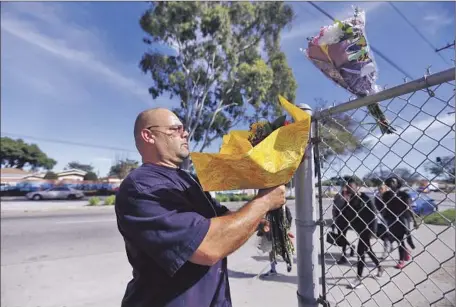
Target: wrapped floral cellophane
342, 53
272, 162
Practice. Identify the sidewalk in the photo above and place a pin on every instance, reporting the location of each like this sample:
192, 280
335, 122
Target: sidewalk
34, 206
421, 274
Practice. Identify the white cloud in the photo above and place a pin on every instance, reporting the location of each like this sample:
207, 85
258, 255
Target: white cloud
430, 138
53, 66
433, 127
47, 27
435, 21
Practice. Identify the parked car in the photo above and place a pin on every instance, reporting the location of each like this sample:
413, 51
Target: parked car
422, 204
5, 187
56, 193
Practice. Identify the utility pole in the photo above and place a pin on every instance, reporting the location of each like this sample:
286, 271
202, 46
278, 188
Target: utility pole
446, 47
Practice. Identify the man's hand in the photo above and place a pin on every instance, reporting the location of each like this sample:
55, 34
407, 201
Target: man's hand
274, 197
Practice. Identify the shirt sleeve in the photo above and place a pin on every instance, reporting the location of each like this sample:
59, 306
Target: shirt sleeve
158, 224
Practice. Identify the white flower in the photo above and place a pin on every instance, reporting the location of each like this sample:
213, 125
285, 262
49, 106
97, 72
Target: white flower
331, 35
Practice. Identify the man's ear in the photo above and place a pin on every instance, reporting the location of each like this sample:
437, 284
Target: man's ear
147, 136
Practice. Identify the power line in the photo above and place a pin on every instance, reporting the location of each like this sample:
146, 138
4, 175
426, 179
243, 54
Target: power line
65, 142
376, 51
417, 31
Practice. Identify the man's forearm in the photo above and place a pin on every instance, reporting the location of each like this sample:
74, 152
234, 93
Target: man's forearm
229, 232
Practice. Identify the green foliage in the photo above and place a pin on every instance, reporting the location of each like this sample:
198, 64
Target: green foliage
51, 176
122, 167
232, 197
375, 179
18, 154
441, 218
94, 201
341, 180
216, 68
110, 200
91, 176
80, 166
339, 134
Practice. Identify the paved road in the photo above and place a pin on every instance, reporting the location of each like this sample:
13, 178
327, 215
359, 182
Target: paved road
76, 258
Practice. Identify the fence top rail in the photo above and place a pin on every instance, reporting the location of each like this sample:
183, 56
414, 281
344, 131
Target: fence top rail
409, 87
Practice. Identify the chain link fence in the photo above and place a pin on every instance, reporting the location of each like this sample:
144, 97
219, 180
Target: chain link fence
412, 228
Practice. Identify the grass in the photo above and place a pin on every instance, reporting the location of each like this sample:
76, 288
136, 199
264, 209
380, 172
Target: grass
441, 218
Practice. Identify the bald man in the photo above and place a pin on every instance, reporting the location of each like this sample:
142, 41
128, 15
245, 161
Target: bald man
176, 236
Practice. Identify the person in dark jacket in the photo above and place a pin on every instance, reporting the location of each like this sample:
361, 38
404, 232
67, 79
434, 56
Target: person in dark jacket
341, 225
362, 216
383, 232
399, 216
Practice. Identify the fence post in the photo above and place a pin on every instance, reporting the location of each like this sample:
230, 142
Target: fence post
306, 226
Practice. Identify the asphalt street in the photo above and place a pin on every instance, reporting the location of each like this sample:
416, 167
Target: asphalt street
75, 258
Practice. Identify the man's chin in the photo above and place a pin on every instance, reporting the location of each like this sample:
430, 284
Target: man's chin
184, 155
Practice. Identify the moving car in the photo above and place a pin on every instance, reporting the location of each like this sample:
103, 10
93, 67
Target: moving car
56, 193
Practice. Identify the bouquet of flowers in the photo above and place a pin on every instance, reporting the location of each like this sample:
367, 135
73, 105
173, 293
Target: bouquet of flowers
279, 222
342, 53
271, 151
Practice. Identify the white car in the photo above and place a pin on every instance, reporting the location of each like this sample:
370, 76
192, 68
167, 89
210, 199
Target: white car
56, 193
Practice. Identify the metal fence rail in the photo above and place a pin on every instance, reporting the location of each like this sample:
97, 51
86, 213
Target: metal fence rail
348, 144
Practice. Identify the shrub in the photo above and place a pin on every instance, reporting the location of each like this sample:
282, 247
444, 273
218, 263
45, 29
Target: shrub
51, 176
221, 198
232, 197
94, 201
91, 176
110, 200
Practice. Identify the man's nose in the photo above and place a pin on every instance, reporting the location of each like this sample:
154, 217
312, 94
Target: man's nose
185, 134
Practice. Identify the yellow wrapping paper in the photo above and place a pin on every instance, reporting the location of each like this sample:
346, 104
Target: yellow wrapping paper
272, 162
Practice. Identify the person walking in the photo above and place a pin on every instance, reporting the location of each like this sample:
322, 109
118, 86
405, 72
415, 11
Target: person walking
364, 223
342, 216
383, 232
399, 216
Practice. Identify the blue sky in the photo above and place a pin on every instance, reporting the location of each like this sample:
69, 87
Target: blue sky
70, 72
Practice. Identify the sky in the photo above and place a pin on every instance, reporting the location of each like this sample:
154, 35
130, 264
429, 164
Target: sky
70, 72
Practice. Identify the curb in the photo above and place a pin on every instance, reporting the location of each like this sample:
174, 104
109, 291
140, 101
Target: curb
32, 210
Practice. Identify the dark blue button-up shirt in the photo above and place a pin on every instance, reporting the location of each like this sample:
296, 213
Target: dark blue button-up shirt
164, 215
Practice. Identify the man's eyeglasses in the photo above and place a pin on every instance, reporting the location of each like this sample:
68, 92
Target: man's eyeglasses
176, 129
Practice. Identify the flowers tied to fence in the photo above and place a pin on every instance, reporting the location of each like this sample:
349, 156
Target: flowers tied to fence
341, 51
